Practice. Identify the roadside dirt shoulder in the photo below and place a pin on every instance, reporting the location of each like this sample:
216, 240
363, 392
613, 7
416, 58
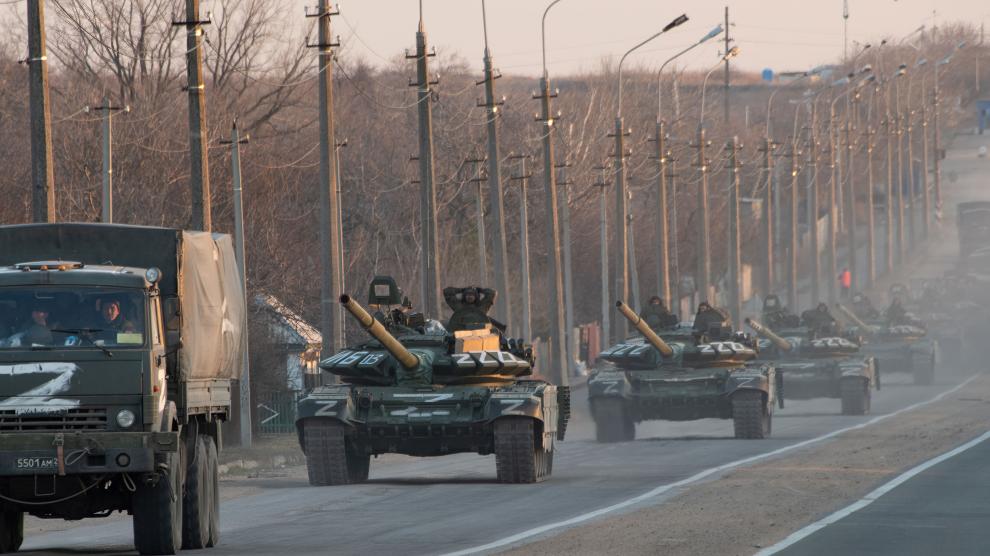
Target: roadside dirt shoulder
755, 506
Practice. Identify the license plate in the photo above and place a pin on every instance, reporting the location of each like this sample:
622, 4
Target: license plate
36, 463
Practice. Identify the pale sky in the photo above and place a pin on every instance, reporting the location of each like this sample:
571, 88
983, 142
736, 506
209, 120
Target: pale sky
778, 34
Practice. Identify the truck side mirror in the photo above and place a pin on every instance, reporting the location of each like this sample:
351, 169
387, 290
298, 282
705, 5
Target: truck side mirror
170, 310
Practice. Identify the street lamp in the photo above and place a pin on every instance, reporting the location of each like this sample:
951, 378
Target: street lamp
711, 35
622, 220
704, 85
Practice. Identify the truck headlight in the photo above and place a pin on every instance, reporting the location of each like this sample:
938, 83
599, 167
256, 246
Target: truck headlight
125, 418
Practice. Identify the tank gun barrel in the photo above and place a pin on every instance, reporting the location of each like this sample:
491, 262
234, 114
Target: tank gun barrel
852, 316
764, 331
378, 332
645, 330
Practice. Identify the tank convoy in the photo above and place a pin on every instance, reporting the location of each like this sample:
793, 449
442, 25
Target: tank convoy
418, 389
898, 348
680, 375
820, 367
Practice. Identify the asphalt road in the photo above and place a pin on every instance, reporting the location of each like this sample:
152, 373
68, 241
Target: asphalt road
943, 510
430, 506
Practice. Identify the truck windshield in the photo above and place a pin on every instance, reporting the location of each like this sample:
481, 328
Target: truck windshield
70, 317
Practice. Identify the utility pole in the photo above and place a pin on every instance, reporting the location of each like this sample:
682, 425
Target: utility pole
556, 298
199, 175
341, 331
704, 270
735, 248
330, 241
792, 233
479, 179
899, 130
429, 263
926, 195
672, 242
602, 185
937, 149
621, 246
523, 179
888, 131
503, 310
728, 47
871, 236
42, 166
106, 215
663, 230
565, 226
911, 196
812, 195
833, 213
768, 215
235, 143
851, 204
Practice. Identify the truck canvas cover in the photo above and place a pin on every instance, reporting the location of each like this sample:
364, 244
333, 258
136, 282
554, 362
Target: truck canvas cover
197, 267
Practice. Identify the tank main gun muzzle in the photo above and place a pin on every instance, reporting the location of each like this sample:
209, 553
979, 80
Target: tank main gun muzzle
782, 344
645, 330
378, 332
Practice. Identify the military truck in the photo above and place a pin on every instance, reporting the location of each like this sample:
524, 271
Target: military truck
898, 349
813, 367
118, 345
417, 389
680, 376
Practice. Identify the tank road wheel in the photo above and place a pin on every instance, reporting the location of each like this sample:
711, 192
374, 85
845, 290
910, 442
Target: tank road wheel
923, 368
750, 415
329, 458
213, 475
612, 421
11, 530
518, 459
157, 508
196, 503
855, 397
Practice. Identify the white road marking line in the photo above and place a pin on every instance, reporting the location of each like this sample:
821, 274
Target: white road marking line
869, 498
662, 489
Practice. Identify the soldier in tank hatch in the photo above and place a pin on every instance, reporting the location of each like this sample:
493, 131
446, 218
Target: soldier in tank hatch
708, 317
863, 308
471, 305
820, 321
776, 316
656, 315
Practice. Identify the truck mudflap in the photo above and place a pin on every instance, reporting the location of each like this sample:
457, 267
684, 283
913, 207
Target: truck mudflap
73, 453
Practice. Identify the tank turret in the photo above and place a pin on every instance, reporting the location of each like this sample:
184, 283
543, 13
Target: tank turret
852, 317
776, 340
378, 332
645, 330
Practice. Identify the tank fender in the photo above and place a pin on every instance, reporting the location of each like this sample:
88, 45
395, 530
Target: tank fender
763, 379
540, 405
327, 402
606, 384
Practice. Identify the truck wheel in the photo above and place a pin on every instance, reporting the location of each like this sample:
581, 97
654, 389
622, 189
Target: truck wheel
517, 457
11, 530
328, 459
158, 508
612, 421
923, 368
750, 415
195, 503
213, 475
855, 397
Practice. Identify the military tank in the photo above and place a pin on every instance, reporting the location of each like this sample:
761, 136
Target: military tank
898, 349
831, 367
414, 388
680, 377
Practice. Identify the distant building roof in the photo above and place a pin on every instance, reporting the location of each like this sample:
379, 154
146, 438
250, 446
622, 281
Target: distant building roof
296, 329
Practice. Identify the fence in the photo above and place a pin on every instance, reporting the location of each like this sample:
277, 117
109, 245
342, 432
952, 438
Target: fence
276, 412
